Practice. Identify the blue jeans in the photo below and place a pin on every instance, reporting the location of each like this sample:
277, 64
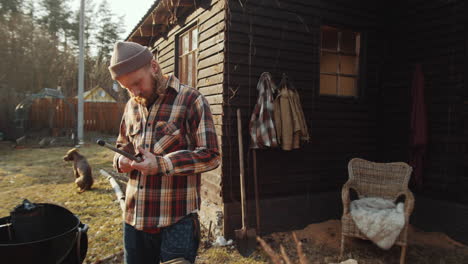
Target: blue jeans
179, 240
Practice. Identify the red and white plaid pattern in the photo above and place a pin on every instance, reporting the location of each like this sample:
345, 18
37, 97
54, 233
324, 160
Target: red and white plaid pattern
262, 125
179, 130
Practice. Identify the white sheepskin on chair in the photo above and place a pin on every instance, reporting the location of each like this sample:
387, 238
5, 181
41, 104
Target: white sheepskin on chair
379, 219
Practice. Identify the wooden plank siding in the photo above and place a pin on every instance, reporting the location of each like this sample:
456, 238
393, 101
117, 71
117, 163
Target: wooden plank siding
285, 37
211, 26
239, 40
434, 34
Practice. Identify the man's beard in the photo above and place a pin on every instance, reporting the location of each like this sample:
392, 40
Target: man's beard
158, 89
140, 100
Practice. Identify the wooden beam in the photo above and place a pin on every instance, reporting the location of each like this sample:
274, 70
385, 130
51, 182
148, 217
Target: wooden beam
160, 16
176, 3
140, 40
147, 30
155, 24
153, 16
152, 30
185, 2
118, 191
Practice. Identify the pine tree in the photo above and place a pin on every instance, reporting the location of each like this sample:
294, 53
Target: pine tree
7, 7
108, 31
89, 27
56, 17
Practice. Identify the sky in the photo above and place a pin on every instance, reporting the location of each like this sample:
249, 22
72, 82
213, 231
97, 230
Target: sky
133, 10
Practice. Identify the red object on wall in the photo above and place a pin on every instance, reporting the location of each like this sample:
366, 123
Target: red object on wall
418, 126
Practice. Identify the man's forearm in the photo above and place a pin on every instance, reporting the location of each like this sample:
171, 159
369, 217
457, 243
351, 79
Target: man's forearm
186, 162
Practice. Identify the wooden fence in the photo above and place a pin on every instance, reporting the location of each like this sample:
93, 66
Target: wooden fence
61, 115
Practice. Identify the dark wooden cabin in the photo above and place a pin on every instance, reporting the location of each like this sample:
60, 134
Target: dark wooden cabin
352, 63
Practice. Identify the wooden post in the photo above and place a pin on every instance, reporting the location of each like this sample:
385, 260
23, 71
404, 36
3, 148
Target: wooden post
118, 192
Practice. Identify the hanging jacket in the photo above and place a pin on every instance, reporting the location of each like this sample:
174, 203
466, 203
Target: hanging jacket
290, 123
262, 127
296, 102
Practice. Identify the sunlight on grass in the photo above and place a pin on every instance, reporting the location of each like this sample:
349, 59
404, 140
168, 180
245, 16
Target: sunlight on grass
42, 176
229, 255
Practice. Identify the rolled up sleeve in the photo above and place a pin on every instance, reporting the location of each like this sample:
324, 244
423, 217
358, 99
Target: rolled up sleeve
205, 156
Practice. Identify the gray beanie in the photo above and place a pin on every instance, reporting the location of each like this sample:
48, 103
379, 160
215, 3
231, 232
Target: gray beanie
128, 57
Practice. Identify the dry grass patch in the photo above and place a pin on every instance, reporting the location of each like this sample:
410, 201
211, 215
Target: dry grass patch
42, 176
228, 255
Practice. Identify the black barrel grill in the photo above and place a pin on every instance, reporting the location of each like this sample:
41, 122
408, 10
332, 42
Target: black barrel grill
42, 233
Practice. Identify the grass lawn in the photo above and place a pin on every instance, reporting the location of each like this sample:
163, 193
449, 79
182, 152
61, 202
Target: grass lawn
42, 176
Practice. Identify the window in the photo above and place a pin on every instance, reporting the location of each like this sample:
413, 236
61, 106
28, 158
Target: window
339, 62
155, 52
188, 44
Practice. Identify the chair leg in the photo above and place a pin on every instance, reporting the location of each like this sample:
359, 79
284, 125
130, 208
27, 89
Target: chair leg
403, 254
342, 246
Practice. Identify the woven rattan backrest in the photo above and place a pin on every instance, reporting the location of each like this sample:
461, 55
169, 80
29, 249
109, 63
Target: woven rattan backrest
374, 179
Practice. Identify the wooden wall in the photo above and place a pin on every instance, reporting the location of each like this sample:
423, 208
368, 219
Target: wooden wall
211, 27
238, 40
284, 36
434, 34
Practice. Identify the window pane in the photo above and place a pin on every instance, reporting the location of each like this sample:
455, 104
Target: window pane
179, 70
347, 86
194, 38
181, 45
329, 38
348, 65
194, 78
328, 84
185, 43
189, 69
155, 55
328, 62
348, 41
183, 69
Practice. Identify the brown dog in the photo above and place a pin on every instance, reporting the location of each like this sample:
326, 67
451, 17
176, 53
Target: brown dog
81, 169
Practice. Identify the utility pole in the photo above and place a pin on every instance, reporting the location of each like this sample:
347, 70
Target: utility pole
81, 76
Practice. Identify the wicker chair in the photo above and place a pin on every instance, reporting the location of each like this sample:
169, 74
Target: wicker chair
370, 179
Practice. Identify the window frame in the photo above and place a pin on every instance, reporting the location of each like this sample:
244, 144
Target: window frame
178, 50
360, 82
155, 52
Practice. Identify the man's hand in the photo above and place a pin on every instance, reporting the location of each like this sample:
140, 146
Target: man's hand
125, 164
149, 165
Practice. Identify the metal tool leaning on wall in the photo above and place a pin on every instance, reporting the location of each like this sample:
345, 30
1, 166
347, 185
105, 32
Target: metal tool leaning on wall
245, 237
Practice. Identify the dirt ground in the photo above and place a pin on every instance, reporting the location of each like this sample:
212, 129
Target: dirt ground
41, 175
321, 242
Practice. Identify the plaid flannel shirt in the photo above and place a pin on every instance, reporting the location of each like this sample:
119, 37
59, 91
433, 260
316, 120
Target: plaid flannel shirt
179, 130
262, 125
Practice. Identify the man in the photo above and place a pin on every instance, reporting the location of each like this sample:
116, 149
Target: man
170, 126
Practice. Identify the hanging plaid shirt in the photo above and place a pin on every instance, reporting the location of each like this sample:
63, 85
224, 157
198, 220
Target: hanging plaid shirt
262, 125
179, 130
